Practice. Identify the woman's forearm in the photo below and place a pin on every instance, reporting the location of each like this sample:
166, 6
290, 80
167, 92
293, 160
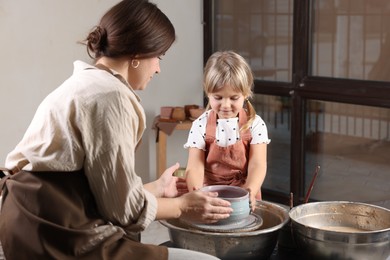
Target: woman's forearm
154, 188
168, 208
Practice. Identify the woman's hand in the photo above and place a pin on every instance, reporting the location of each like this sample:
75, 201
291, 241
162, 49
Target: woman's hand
165, 185
204, 207
168, 182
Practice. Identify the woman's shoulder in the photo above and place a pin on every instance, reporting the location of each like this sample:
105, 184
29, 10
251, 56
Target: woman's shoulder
79, 65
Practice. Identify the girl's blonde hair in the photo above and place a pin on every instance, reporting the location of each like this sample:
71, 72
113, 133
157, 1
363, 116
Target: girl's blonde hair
227, 68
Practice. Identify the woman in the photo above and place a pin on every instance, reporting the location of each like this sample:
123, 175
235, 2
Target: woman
73, 191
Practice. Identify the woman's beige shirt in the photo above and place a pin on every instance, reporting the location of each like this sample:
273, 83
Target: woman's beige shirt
94, 121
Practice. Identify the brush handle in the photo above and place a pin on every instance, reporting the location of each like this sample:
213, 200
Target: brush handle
312, 184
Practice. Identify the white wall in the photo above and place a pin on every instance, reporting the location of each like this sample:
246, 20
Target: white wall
38, 41
179, 82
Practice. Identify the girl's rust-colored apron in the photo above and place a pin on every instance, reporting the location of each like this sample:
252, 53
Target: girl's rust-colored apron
53, 215
226, 165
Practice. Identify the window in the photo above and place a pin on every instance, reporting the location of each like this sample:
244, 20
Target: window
322, 88
261, 31
351, 39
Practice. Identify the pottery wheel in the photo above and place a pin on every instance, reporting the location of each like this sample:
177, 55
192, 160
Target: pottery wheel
252, 222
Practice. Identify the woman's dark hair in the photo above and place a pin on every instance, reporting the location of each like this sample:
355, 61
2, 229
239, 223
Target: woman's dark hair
130, 28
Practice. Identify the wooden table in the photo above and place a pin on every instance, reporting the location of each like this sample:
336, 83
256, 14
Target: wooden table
161, 144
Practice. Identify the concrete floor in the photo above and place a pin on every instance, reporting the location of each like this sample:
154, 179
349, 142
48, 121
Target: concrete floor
155, 234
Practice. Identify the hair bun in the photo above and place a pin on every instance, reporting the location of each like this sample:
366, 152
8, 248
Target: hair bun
97, 40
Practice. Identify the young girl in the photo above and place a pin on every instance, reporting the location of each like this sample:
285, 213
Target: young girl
228, 143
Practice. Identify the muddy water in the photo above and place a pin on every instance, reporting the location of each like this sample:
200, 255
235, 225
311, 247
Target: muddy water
343, 229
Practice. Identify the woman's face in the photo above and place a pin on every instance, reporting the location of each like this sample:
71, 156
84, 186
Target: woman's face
226, 102
139, 77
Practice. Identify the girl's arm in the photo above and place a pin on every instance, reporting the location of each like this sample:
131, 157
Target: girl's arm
257, 168
195, 168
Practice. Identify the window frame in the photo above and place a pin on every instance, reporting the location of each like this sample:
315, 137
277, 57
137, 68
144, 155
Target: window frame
304, 87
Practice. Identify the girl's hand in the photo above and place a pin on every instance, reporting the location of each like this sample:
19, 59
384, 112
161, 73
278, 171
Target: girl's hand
181, 186
253, 197
252, 202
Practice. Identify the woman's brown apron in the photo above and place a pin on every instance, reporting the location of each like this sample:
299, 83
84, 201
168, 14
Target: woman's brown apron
53, 215
226, 165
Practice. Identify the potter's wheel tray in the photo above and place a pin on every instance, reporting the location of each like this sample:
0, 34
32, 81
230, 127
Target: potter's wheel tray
252, 222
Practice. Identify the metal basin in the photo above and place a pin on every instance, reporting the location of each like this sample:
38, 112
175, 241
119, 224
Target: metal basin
341, 230
256, 244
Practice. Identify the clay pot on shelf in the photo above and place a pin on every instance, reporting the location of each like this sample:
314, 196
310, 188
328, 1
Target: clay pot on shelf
179, 114
187, 109
166, 112
196, 112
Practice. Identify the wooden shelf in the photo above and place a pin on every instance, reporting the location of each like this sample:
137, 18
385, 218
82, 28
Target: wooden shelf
161, 144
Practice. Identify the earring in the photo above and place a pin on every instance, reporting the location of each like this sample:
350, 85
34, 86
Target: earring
135, 63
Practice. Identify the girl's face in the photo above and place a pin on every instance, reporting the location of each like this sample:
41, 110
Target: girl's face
141, 75
226, 102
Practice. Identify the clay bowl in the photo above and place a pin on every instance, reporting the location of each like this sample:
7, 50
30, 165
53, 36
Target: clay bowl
238, 197
166, 112
341, 230
187, 109
179, 114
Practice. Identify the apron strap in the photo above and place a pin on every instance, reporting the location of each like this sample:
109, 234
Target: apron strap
3, 170
4, 176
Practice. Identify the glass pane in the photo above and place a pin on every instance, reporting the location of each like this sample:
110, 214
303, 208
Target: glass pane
275, 111
351, 143
351, 39
261, 31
